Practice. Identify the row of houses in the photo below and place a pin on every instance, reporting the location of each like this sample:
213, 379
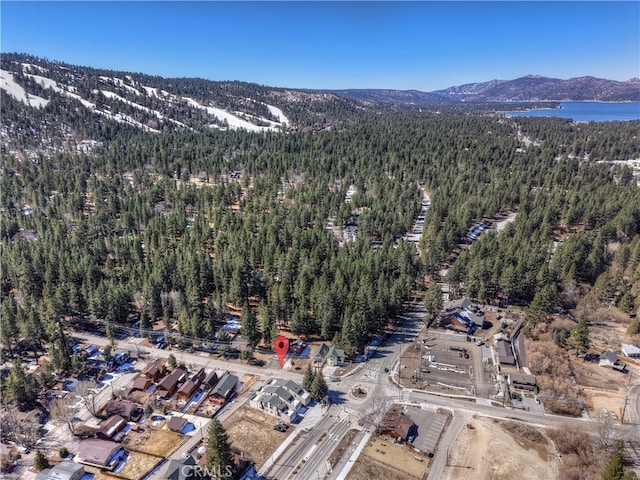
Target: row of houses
154, 378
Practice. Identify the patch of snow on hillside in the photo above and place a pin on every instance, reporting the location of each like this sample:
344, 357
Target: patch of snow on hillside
151, 92
53, 85
120, 83
156, 113
276, 112
8, 84
119, 117
31, 65
232, 120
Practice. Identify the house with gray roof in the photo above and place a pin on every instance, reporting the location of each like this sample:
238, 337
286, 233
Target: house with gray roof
630, 351
224, 390
335, 356
62, 471
99, 453
280, 398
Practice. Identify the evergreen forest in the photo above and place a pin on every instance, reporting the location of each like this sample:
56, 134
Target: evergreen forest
185, 227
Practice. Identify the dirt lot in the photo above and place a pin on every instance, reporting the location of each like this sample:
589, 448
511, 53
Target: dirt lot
138, 465
161, 443
397, 461
602, 387
501, 450
597, 399
252, 432
367, 467
590, 374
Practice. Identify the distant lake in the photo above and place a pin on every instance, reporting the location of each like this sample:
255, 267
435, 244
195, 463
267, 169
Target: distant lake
587, 111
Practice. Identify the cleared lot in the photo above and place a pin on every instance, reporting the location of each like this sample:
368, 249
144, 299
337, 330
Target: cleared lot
252, 432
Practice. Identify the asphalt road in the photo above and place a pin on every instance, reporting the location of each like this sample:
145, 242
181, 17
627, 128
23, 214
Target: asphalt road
632, 412
196, 359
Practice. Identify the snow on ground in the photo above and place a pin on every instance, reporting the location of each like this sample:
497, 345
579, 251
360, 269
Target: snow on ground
276, 112
37, 67
53, 85
233, 121
156, 113
16, 91
151, 92
120, 83
118, 117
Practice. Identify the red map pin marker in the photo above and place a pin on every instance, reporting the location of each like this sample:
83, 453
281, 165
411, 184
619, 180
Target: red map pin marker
281, 346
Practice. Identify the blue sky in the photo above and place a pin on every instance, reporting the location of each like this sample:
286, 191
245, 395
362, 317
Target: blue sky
403, 45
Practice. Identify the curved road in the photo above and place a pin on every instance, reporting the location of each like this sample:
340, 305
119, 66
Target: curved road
632, 412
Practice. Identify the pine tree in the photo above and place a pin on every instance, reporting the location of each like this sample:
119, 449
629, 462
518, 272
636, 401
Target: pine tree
307, 380
318, 388
171, 361
614, 469
40, 462
433, 303
219, 458
249, 323
580, 336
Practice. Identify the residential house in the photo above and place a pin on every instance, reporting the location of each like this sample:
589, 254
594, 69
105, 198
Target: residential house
209, 381
34, 416
184, 469
99, 453
62, 471
320, 355
187, 389
155, 370
112, 428
610, 359
397, 426
141, 384
127, 409
169, 384
630, 351
224, 390
280, 398
199, 377
505, 353
176, 424
522, 381
335, 356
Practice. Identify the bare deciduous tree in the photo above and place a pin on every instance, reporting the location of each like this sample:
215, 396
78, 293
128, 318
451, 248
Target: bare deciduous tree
375, 413
64, 411
87, 392
604, 431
